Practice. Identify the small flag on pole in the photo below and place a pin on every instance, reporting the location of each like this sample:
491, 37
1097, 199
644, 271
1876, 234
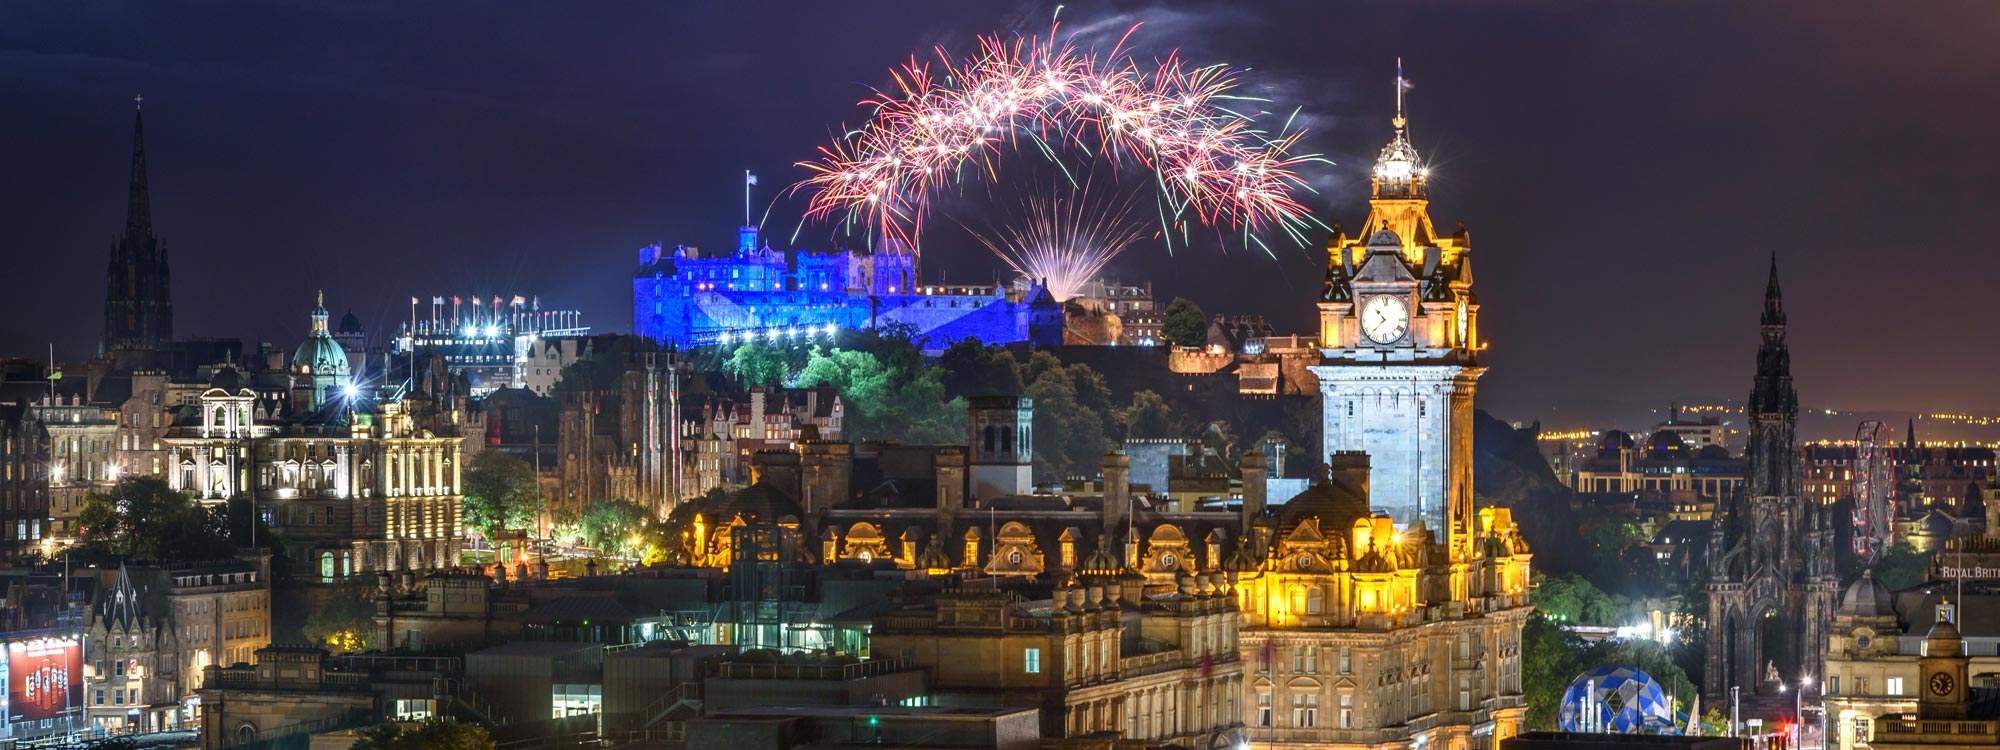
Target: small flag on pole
749, 177
1406, 83
413, 300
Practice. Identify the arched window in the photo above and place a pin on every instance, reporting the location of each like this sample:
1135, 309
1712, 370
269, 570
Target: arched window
218, 423
326, 565
987, 439
246, 734
1315, 600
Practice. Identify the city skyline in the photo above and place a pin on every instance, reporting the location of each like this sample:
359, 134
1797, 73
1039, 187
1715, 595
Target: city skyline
457, 164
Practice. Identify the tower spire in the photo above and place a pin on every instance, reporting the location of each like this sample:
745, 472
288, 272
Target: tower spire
1774, 300
139, 203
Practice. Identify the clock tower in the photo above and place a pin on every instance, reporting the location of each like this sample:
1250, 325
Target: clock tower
1399, 337
1942, 669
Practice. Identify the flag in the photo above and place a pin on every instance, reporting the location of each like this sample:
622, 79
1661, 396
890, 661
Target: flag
413, 300
437, 300
519, 301
455, 300
55, 374
1405, 83
749, 177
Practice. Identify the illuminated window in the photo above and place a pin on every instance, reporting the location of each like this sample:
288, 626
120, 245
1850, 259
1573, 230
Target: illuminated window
1031, 660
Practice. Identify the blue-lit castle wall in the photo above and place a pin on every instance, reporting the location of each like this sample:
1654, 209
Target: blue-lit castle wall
683, 297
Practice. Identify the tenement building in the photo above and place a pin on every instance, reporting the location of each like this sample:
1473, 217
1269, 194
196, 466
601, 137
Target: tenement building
1771, 577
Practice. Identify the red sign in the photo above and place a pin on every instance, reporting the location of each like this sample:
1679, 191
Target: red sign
44, 678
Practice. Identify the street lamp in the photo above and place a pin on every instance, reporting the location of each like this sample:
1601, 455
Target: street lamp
1798, 710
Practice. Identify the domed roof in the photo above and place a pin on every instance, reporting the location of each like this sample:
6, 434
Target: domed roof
1613, 440
321, 355
1666, 441
1336, 503
349, 323
1943, 639
1867, 597
227, 378
1936, 523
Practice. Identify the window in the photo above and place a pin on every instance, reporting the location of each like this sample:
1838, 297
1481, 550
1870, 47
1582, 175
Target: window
1305, 710
100, 697
1312, 659
1263, 707
118, 697
1833, 685
1861, 686
1031, 660
1895, 685
1347, 660
1346, 710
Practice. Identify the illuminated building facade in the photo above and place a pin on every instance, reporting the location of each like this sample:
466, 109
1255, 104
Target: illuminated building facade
491, 342
683, 297
355, 485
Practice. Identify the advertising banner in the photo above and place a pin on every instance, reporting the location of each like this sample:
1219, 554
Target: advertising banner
44, 678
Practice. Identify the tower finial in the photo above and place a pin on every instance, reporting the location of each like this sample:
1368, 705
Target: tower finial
1402, 85
322, 298
138, 101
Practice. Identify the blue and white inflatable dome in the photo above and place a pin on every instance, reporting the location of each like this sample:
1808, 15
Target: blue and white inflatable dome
1616, 699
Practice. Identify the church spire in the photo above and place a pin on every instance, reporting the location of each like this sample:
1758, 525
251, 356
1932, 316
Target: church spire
139, 202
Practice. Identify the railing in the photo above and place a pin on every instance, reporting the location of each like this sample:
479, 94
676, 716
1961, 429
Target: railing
752, 671
249, 679
1963, 732
347, 720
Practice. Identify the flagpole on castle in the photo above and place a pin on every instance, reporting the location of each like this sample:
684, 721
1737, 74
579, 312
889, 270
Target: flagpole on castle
749, 179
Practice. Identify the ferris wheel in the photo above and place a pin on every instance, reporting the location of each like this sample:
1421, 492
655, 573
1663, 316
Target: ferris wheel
1874, 481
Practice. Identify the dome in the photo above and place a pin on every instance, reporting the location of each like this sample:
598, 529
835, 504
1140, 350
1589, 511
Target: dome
321, 355
1936, 523
1336, 503
1622, 699
1867, 598
1943, 639
1664, 441
1614, 440
349, 323
227, 378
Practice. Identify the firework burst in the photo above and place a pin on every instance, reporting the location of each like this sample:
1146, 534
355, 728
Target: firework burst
1064, 235
942, 123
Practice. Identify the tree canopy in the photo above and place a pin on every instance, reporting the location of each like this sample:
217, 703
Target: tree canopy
345, 619
756, 364
614, 526
1184, 323
142, 517
499, 493
1148, 417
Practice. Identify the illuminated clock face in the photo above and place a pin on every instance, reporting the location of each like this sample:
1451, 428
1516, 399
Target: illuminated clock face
1942, 684
1384, 319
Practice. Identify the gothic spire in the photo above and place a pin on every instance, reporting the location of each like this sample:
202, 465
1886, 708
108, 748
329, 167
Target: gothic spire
1774, 300
139, 203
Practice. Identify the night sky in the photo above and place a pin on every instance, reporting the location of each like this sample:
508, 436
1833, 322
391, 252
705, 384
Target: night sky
1625, 168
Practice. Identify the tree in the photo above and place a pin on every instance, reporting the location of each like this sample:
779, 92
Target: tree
1551, 657
432, 734
1902, 566
614, 526
499, 493
1573, 600
971, 368
1185, 324
1069, 437
1148, 417
345, 619
144, 518
893, 399
759, 364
